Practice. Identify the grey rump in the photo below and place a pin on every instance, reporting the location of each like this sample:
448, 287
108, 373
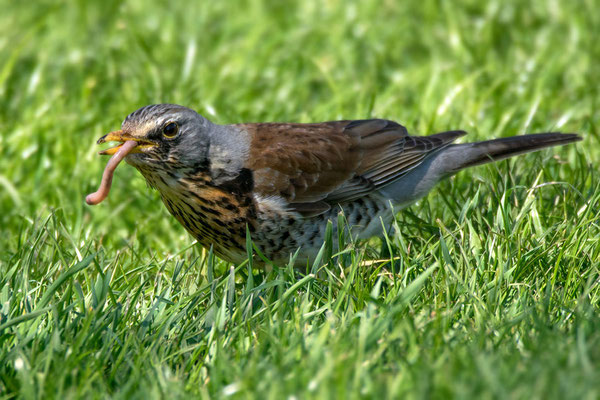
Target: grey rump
283, 181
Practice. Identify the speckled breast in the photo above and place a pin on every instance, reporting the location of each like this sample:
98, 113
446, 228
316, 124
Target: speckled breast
218, 218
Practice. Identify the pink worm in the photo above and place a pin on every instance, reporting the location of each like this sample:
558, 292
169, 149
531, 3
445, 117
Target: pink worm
107, 177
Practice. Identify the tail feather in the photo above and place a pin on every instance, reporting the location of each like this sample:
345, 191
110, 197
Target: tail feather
451, 159
498, 149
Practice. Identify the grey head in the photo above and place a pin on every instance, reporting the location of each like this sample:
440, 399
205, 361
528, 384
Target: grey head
177, 138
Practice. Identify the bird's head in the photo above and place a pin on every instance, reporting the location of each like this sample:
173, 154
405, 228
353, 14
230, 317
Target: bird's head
172, 138
165, 133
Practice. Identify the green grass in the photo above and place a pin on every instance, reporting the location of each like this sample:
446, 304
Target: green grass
494, 288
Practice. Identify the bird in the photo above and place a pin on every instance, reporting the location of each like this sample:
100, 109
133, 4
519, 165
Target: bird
281, 182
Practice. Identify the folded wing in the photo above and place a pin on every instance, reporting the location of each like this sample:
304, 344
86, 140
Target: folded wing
313, 166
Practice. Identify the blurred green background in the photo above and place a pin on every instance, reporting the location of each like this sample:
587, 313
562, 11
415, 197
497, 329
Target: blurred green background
70, 71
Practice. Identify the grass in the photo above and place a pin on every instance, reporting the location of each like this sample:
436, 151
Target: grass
488, 288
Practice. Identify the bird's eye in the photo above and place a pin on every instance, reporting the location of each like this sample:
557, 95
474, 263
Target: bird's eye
170, 130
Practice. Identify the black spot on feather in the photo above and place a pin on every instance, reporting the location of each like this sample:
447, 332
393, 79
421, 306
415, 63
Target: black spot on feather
243, 183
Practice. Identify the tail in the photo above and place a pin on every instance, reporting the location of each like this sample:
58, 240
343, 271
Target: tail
478, 153
452, 158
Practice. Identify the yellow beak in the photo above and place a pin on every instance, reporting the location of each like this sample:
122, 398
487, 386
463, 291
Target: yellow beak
120, 136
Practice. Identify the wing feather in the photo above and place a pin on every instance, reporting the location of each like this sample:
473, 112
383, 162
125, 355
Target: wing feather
313, 166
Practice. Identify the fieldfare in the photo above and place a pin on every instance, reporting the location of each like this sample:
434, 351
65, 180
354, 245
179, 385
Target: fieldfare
283, 181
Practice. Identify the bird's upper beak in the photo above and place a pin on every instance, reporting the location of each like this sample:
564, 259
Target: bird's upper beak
120, 136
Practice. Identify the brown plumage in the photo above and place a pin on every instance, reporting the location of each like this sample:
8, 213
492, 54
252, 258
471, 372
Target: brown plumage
333, 162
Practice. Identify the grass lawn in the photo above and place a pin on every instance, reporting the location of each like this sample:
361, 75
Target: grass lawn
488, 288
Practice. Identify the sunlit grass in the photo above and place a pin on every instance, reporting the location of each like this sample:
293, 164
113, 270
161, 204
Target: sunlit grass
487, 288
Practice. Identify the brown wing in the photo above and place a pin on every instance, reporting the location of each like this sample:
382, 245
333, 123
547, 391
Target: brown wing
315, 165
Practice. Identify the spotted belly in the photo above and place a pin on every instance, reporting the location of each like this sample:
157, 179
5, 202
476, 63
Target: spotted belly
281, 236
219, 219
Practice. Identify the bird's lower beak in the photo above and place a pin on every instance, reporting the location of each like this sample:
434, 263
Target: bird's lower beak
120, 136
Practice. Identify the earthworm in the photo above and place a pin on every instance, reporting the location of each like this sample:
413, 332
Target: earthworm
107, 177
